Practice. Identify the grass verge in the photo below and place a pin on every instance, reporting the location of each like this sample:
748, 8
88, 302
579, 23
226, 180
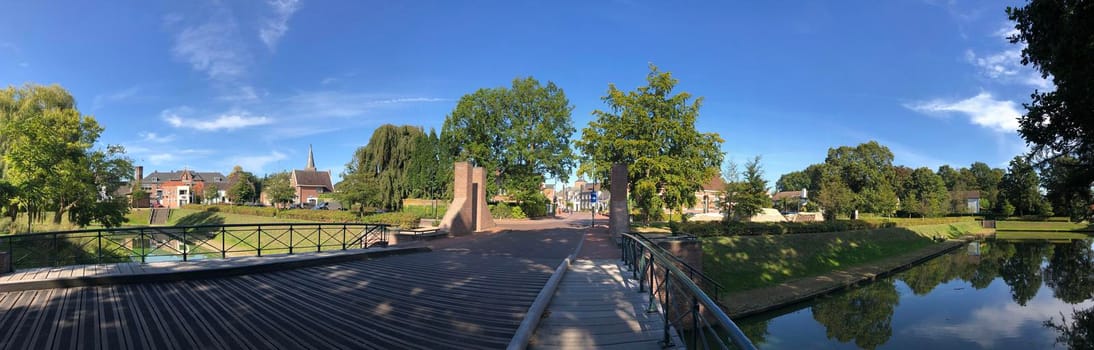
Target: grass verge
1042, 226
742, 263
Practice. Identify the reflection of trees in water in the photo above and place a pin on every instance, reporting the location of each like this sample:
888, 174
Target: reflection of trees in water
756, 331
1022, 272
1070, 272
1077, 334
863, 315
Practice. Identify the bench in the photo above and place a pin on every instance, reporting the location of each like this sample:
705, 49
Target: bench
421, 233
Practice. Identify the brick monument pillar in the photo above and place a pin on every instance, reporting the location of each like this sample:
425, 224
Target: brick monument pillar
620, 216
468, 212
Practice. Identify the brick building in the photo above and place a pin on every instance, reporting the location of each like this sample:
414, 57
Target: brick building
310, 183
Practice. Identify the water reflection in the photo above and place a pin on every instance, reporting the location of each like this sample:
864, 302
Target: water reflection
955, 301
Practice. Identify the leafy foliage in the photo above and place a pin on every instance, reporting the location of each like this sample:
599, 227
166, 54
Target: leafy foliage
49, 161
430, 169
519, 135
278, 188
378, 173
1021, 188
1059, 42
241, 188
652, 130
745, 196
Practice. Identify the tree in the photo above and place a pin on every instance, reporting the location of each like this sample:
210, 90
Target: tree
833, 194
241, 186
430, 169
519, 135
48, 157
866, 169
1059, 42
987, 180
1065, 189
278, 189
794, 181
653, 131
1021, 188
210, 194
748, 194
381, 167
927, 195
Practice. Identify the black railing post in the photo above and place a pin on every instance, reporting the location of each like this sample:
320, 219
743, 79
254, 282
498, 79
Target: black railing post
343, 236
290, 238
667, 291
259, 240
319, 238
184, 244
99, 255
223, 243
144, 251
695, 320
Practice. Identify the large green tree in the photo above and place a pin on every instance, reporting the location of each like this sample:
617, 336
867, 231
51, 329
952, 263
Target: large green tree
746, 195
1067, 192
381, 167
794, 181
1059, 42
520, 135
652, 130
1021, 188
278, 189
50, 161
867, 171
242, 186
927, 195
430, 168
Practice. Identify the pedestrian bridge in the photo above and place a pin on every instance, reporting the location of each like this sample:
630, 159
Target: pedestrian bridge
541, 287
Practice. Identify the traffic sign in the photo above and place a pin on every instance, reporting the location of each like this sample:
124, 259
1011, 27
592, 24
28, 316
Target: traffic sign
592, 197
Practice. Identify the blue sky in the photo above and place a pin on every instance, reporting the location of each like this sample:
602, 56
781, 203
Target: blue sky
208, 85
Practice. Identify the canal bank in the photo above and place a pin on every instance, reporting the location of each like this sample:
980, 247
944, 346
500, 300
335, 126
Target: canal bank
751, 302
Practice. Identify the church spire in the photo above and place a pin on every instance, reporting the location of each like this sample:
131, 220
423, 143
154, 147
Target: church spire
311, 160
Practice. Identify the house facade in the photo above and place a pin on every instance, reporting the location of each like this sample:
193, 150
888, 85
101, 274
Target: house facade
309, 183
708, 199
177, 188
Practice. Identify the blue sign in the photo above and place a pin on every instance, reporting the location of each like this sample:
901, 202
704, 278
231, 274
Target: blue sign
592, 197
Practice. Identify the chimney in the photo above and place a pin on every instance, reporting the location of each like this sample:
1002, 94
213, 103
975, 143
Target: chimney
139, 173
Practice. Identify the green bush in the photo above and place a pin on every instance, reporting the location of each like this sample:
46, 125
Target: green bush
401, 220
299, 214
534, 206
501, 210
518, 213
735, 228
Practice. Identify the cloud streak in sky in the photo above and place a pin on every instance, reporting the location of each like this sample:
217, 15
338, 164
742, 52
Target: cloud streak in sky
982, 110
273, 28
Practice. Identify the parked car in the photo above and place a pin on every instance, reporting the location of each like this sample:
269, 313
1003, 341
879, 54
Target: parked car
320, 206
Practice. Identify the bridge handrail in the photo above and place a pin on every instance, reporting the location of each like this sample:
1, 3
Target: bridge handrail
123, 244
641, 255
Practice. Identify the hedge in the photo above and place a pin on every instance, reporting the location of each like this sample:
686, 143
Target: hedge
402, 220
301, 214
734, 228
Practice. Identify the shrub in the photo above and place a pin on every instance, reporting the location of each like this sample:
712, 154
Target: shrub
401, 220
518, 213
501, 210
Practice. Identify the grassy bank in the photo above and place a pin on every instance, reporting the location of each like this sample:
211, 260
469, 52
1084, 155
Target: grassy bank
746, 262
1042, 226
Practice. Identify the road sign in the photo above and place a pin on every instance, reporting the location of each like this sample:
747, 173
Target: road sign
592, 197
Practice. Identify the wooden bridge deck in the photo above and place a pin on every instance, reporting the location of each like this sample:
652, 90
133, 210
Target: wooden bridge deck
599, 306
466, 294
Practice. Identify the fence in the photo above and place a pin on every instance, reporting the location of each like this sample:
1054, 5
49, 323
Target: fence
684, 305
149, 244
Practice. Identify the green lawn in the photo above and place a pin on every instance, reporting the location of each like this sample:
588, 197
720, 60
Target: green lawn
1040, 235
747, 262
1042, 226
190, 217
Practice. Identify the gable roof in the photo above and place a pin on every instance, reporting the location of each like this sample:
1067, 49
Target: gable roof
312, 178
157, 177
715, 183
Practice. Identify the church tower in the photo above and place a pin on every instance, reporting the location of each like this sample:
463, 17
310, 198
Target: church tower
311, 160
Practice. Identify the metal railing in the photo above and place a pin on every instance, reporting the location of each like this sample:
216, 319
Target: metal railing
172, 243
684, 306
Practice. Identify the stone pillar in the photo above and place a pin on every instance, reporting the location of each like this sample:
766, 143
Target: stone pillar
483, 219
458, 219
619, 215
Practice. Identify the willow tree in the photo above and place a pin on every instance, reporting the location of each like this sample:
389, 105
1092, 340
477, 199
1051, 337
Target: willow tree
50, 161
377, 174
653, 131
520, 134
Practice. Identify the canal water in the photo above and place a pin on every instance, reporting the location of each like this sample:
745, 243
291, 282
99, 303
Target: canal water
989, 295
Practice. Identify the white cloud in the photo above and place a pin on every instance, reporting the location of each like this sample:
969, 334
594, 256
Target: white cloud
212, 47
256, 164
274, 28
160, 158
983, 326
152, 137
1006, 66
222, 122
340, 104
982, 110
242, 93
